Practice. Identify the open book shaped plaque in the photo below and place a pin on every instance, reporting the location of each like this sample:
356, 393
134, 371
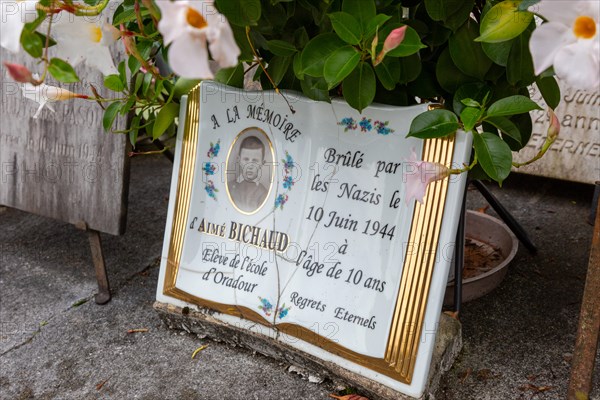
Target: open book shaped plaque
294, 225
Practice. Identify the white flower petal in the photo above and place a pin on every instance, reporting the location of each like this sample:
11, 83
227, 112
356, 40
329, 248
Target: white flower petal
223, 47
557, 11
578, 66
99, 57
172, 19
13, 16
545, 41
204, 7
188, 57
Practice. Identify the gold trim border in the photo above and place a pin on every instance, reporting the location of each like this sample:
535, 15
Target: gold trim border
409, 313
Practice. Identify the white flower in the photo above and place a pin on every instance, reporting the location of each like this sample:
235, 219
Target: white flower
569, 41
188, 25
44, 94
14, 14
85, 40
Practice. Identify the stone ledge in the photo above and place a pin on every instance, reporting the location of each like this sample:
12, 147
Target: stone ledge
447, 347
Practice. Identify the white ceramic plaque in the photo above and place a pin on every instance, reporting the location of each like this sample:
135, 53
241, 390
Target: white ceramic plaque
295, 225
575, 156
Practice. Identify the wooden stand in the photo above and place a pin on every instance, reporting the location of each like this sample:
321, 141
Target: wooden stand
103, 296
584, 356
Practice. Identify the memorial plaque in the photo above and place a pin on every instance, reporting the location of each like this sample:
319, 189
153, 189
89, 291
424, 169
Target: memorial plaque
294, 225
575, 156
62, 164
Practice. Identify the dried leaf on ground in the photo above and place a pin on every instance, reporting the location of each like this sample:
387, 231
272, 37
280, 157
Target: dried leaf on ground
198, 350
349, 397
535, 388
100, 385
139, 330
465, 375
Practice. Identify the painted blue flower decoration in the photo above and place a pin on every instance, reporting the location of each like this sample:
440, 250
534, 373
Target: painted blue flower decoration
265, 306
365, 124
288, 163
349, 123
211, 190
281, 200
283, 311
287, 182
209, 168
214, 149
382, 128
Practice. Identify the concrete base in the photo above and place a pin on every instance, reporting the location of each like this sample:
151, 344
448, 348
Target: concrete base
447, 347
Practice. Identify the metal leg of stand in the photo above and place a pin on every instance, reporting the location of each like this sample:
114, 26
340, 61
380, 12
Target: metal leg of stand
508, 219
459, 255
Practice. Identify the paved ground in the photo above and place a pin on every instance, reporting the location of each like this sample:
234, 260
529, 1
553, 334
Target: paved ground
55, 343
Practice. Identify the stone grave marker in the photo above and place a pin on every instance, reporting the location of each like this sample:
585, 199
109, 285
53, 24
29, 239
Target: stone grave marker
62, 164
575, 156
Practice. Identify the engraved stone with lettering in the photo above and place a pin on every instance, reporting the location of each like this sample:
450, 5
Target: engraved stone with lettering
62, 165
575, 156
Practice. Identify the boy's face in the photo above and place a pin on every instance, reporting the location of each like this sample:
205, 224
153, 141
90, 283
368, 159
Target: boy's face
251, 161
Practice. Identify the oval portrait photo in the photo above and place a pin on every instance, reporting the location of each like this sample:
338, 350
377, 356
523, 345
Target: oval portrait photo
250, 170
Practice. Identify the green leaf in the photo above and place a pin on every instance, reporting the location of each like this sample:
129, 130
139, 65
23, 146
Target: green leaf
32, 43
340, 64
440, 10
467, 54
281, 48
139, 78
433, 124
512, 105
317, 51
110, 114
519, 67
113, 82
62, 71
315, 88
164, 119
550, 91
410, 68
122, 74
359, 87
504, 22
506, 126
297, 66
346, 26
470, 117
409, 46
494, 155
448, 75
240, 12
388, 72
134, 129
277, 68
475, 91
362, 10
375, 23
183, 85
147, 83
498, 52
233, 76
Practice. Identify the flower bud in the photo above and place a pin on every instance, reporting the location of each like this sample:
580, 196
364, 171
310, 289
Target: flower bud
394, 39
19, 73
554, 128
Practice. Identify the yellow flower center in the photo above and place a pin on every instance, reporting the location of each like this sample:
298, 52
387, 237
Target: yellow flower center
195, 19
584, 27
96, 34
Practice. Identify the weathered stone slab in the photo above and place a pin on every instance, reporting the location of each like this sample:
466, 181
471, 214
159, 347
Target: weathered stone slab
201, 321
575, 156
62, 165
